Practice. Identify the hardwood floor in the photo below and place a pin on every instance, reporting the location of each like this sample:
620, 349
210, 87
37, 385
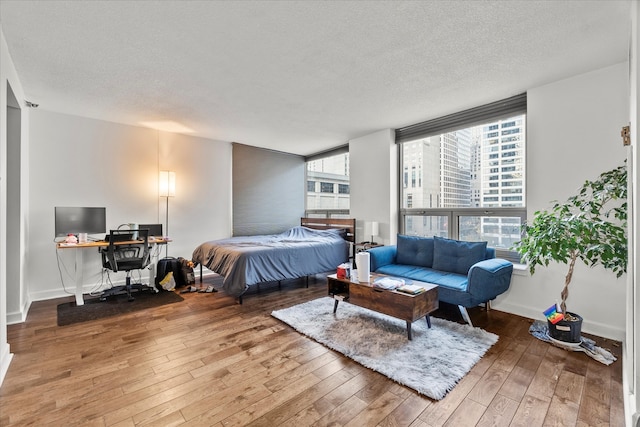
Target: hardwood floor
210, 361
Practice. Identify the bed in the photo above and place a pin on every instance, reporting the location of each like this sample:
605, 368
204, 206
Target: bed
318, 245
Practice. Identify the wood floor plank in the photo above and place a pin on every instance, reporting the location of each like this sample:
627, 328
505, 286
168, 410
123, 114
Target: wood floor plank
282, 413
283, 380
275, 399
209, 361
487, 387
509, 357
438, 413
531, 412
468, 413
544, 382
340, 394
569, 388
406, 412
342, 413
516, 384
500, 412
376, 411
561, 412
616, 411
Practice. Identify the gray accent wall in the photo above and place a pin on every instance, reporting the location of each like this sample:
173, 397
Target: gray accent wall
268, 190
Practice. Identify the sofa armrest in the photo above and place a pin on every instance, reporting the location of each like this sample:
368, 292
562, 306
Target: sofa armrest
381, 256
489, 278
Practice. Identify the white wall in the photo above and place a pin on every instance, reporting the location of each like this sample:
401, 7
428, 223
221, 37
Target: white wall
573, 134
373, 182
85, 162
631, 355
9, 77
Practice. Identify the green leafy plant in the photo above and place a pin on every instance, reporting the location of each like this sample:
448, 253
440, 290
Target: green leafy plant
590, 226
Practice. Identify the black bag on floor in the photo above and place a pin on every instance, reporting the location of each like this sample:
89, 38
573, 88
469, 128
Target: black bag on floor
186, 272
166, 265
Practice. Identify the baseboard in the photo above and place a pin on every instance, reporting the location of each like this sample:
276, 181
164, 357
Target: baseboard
86, 289
631, 415
21, 316
61, 293
589, 327
5, 360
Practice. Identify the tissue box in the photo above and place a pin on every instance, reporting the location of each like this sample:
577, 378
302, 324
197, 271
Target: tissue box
344, 271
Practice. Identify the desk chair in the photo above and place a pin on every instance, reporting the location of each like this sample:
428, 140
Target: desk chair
126, 254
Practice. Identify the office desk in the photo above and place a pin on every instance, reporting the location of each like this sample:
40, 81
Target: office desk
79, 247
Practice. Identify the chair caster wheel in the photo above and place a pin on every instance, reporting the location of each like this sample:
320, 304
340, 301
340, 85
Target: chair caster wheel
131, 299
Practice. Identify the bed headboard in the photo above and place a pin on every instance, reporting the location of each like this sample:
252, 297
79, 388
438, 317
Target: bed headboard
348, 224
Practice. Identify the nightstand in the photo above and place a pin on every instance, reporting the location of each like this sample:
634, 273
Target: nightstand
363, 246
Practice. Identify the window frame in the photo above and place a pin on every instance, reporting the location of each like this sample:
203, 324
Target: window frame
327, 212
453, 216
477, 116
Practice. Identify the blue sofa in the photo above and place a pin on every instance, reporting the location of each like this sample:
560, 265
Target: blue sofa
467, 273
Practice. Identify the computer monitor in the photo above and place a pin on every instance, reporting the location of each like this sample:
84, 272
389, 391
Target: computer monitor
76, 220
155, 230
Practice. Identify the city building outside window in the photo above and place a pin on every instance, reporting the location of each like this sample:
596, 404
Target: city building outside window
471, 184
326, 187
330, 198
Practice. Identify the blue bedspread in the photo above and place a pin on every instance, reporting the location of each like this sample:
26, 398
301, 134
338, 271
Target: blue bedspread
248, 260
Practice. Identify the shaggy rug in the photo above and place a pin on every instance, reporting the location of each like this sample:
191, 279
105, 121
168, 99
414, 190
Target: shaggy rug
432, 363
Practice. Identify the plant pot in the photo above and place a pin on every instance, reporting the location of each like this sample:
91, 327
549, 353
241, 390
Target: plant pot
566, 330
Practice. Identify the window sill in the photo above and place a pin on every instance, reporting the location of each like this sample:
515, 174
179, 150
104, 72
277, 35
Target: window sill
520, 269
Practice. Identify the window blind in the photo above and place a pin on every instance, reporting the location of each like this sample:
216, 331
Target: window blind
268, 190
473, 116
328, 153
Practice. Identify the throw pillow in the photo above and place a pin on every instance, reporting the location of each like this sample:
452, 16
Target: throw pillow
456, 256
414, 250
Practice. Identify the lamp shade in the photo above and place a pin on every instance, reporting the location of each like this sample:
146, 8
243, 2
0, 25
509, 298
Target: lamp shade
371, 228
167, 184
374, 228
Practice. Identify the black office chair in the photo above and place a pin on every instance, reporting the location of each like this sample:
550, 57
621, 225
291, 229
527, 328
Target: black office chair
121, 256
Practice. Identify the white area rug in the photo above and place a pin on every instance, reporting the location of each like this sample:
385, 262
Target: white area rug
432, 363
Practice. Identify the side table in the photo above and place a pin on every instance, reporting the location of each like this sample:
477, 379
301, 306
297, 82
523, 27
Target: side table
363, 246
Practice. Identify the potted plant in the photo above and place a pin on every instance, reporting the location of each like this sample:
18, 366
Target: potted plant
590, 227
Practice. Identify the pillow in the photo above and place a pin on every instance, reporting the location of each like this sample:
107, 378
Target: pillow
342, 232
414, 250
456, 256
329, 232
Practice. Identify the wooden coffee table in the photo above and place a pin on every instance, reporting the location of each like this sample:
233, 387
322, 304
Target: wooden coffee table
393, 303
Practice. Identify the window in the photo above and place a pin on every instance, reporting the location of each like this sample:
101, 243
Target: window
471, 182
330, 198
326, 187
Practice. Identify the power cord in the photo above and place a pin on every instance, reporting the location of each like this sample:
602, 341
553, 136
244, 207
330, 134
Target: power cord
60, 269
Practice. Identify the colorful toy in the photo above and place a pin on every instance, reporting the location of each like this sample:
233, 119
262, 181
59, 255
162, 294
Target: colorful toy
553, 315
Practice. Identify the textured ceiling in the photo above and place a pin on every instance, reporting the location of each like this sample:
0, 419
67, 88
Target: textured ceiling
300, 76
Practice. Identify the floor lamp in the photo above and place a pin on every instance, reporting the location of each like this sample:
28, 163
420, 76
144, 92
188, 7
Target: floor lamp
167, 188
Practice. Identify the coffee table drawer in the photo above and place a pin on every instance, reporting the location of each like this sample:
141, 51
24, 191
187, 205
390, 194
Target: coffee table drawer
401, 306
